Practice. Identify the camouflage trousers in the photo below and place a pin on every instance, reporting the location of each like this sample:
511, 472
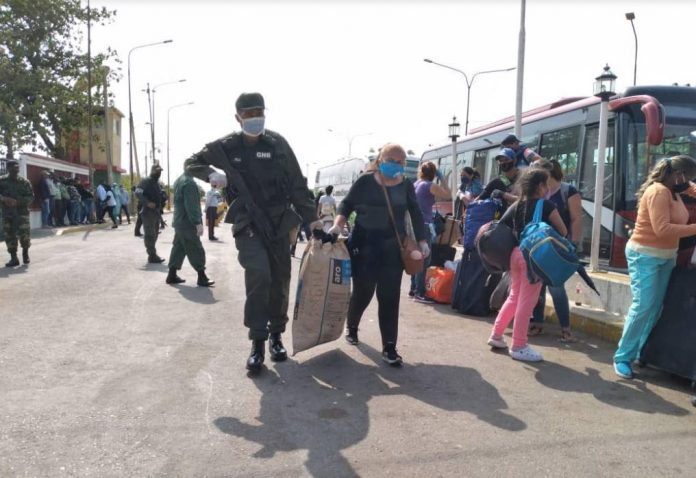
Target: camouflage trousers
16, 229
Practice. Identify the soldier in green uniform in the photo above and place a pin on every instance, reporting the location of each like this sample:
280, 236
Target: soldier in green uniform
265, 180
150, 195
188, 227
15, 196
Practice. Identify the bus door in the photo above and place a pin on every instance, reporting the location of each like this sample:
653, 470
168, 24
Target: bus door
586, 186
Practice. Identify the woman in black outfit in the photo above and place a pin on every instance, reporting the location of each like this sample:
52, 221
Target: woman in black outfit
374, 250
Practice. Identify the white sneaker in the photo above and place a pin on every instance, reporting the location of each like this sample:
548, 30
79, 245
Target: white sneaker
526, 354
497, 343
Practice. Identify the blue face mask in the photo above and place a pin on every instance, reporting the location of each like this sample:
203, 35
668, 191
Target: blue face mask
465, 180
253, 126
391, 170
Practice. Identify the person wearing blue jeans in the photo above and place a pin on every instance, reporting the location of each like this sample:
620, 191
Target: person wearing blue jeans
568, 202
652, 250
562, 307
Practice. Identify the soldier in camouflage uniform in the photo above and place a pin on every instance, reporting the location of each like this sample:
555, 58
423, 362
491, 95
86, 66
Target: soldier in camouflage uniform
15, 196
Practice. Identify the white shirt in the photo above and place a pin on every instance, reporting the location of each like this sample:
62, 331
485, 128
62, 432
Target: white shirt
327, 205
110, 201
212, 198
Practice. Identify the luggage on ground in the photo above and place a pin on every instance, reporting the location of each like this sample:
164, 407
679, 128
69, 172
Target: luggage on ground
323, 294
472, 285
438, 284
501, 292
450, 234
494, 243
441, 254
479, 213
670, 346
550, 257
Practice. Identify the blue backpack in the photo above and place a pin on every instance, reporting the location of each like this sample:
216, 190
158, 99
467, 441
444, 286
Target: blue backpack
479, 213
550, 257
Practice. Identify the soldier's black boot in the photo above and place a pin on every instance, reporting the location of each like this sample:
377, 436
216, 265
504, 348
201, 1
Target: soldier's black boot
25, 256
203, 280
173, 278
275, 346
255, 360
14, 261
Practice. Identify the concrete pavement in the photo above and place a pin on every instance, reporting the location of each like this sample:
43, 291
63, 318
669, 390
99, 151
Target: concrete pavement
107, 371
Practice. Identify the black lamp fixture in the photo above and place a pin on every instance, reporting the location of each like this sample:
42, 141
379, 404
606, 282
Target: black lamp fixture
454, 129
605, 84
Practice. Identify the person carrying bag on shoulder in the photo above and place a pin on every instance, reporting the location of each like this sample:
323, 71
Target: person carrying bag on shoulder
524, 293
381, 199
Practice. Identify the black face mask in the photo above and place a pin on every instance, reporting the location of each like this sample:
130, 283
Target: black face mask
680, 188
506, 167
156, 175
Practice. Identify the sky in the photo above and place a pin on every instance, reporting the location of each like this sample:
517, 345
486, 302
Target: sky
357, 67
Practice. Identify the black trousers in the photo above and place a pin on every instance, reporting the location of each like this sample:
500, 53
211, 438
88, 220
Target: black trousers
211, 215
124, 208
138, 222
377, 267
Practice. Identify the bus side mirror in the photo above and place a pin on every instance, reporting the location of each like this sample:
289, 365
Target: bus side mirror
654, 112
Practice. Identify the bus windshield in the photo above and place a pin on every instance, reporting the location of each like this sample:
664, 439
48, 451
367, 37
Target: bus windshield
679, 138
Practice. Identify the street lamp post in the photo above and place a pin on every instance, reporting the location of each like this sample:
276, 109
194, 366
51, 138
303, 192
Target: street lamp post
130, 109
152, 110
454, 134
350, 139
604, 88
468, 85
630, 16
169, 194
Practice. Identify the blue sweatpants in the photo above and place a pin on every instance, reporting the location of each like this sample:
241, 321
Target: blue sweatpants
649, 280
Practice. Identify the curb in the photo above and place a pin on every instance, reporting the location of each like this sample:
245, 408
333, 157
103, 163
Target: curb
596, 323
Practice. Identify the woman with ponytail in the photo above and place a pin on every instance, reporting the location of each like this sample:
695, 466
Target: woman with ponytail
652, 250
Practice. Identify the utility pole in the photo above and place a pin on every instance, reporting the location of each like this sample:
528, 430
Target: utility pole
90, 156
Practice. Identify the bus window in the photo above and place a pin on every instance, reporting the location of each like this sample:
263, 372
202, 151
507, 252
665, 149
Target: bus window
445, 167
563, 146
480, 164
589, 165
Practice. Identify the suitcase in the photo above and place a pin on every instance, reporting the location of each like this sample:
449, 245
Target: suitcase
473, 286
670, 346
441, 254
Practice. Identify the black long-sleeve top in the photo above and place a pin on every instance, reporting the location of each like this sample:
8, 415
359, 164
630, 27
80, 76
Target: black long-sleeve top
366, 198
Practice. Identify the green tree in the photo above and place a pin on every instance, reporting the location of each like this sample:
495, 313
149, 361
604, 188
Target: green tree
45, 96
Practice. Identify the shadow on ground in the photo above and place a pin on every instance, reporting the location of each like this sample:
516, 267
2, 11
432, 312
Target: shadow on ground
322, 405
625, 394
10, 271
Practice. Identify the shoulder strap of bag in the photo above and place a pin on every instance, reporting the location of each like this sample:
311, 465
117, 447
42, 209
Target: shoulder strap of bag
389, 208
538, 210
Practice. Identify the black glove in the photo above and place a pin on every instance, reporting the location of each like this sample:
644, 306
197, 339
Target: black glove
497, 194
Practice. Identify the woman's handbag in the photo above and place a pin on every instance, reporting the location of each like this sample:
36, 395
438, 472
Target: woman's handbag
411, 266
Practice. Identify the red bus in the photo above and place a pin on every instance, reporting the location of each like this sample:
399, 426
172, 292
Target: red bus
567, 131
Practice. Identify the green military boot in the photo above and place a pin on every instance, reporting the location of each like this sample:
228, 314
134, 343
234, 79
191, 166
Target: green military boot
25, 256
14, 261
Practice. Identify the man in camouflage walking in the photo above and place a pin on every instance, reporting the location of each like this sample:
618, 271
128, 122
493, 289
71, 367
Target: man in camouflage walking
15, 197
